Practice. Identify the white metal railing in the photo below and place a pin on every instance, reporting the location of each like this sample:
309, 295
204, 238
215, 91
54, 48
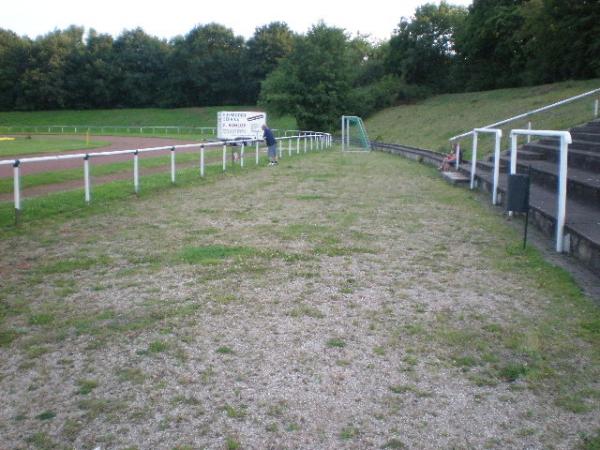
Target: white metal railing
565, 140
537, 111
498, 136
317, 139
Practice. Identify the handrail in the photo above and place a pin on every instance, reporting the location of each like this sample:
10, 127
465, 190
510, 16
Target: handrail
535, 111
565, 140
322, 141
498, 136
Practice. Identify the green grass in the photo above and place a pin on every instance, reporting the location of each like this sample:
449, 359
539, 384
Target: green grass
45, 144
429, 124
65, 205
99, 170
184, 117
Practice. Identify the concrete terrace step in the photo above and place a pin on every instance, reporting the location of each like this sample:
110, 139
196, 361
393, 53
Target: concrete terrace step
582, 184
582, 159
582, 219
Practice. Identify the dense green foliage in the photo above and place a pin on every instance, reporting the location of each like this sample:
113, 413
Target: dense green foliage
315, 76
77, 70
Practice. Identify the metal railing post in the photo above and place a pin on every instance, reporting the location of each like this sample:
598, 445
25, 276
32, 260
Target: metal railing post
17, 190
242, 156
496, 167
562, 194
202, 160
289, 147
596, 104
224, 157
173, 165
257, 145
304, 143
86, 178
457, 155
298, 145
136, 172
473, 160
513, 153
528, 136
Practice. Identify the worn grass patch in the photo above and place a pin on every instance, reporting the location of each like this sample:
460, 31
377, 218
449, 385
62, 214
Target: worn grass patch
213, 254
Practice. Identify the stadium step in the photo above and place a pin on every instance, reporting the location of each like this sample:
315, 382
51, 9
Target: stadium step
583, 187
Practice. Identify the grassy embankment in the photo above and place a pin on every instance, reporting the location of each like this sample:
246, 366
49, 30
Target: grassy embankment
134, 118
429, 124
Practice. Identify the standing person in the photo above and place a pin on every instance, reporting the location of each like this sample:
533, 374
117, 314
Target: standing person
271, 145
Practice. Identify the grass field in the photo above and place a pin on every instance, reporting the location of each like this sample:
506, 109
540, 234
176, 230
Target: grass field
335, 301
32, 145
429, 124
184, 117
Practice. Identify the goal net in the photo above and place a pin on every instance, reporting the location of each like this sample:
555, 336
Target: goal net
354, 135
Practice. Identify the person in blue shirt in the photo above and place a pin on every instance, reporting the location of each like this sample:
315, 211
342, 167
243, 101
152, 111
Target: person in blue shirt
271, 145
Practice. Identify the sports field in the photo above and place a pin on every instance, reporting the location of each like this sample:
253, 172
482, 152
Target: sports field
335, 301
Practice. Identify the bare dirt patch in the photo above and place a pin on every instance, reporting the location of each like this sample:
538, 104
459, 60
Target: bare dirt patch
334, 301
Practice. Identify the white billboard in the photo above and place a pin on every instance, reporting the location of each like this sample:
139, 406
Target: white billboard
232, 125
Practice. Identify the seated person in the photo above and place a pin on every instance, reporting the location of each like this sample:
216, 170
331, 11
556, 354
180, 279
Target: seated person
449, 161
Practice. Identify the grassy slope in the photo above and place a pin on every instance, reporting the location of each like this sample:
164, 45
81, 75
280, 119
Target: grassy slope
132, 117
429, 124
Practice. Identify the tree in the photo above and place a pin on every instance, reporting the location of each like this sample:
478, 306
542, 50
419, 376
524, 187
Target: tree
269, 44
139, 65
422, 51
45, 84
206, 67
14, 59
562, 39
99, 76
491, 45
313, 83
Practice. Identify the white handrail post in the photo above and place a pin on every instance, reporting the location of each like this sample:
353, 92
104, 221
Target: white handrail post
257, 145
224, 157
17, 190
298, 145
305, 143
496, 167
290, 147
173, 165
311, 142
136, 172
513, 153
242, 155
202, 160
473, 160
596, 104
529, 128
86, 178
562, 194
457, 155
280, 148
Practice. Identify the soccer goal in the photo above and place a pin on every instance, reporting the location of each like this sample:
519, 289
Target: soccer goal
354, 135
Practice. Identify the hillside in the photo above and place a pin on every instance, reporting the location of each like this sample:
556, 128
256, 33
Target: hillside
429, 124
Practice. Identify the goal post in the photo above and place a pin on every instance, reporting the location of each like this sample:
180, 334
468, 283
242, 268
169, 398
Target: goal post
354, 135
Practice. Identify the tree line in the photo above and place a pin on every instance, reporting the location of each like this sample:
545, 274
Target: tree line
315, 76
